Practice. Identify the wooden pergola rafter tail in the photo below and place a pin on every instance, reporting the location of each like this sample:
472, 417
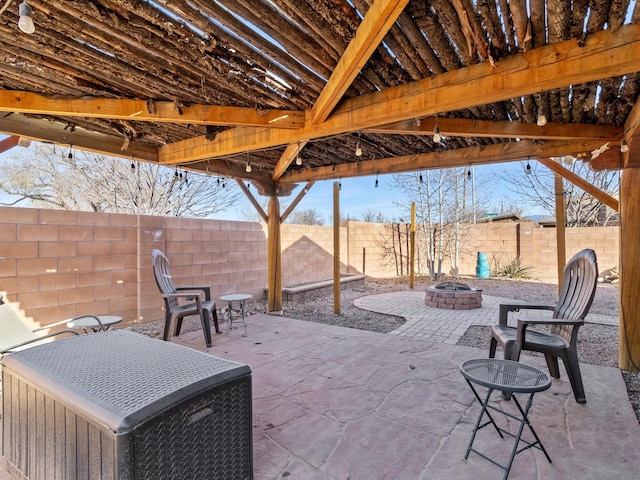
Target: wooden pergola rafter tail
604, 54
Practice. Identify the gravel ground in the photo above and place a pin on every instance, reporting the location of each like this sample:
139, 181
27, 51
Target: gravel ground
598, 344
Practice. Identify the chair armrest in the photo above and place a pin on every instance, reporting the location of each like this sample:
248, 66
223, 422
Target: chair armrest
34, 340
523, 324
549, 321
186, 296
505, 308
206, 290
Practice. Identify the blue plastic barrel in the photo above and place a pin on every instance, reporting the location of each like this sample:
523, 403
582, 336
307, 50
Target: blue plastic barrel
482, 266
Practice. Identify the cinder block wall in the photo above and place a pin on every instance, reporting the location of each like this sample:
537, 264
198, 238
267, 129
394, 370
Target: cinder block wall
307, 253
57, 264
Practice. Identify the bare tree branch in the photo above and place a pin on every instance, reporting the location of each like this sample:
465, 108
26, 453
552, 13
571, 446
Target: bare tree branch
83, 181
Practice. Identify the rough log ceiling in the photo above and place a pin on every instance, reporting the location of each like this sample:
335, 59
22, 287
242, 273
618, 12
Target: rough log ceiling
212, 84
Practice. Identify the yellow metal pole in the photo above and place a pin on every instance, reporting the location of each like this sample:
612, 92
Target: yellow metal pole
413, 244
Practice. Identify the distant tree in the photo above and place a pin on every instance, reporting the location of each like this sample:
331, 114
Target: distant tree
445, 199
310, 216
511, 209
537, 189
49, 177
373, 217
248, 212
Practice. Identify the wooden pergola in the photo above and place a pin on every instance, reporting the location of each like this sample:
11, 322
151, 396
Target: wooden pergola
210, 86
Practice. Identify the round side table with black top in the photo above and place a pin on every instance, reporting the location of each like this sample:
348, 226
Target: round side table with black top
509, 377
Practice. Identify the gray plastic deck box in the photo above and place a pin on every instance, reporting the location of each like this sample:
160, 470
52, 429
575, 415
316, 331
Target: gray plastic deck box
119, 405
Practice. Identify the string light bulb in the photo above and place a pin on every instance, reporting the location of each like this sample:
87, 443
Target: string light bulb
420, 179
298, 157
376, 180
358, 147
70, 155
248, 167
469, 173
436, 134
624, 147
25, 22
542, 119
527, 169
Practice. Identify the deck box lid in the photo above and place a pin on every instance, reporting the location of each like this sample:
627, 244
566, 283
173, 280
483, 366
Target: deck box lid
120, 378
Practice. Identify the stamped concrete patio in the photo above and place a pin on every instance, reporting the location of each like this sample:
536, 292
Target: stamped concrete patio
332, 403
337, 403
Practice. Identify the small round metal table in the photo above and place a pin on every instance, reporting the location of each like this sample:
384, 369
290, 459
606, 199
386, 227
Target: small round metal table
240, 298
509, 377
93, 322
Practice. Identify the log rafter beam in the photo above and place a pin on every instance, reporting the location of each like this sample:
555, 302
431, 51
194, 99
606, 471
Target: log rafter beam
604, 54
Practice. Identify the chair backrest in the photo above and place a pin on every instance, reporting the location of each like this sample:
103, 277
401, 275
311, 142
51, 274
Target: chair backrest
13, 331
163, 277
578, 289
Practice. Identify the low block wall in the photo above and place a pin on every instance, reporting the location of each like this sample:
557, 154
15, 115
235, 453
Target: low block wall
58, 264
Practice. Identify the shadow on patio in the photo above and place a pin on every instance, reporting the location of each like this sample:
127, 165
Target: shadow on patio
337, 403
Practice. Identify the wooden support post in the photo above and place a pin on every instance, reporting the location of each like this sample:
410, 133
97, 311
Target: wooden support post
560, 228
274, 258
336, 248
412, 272
629, 265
